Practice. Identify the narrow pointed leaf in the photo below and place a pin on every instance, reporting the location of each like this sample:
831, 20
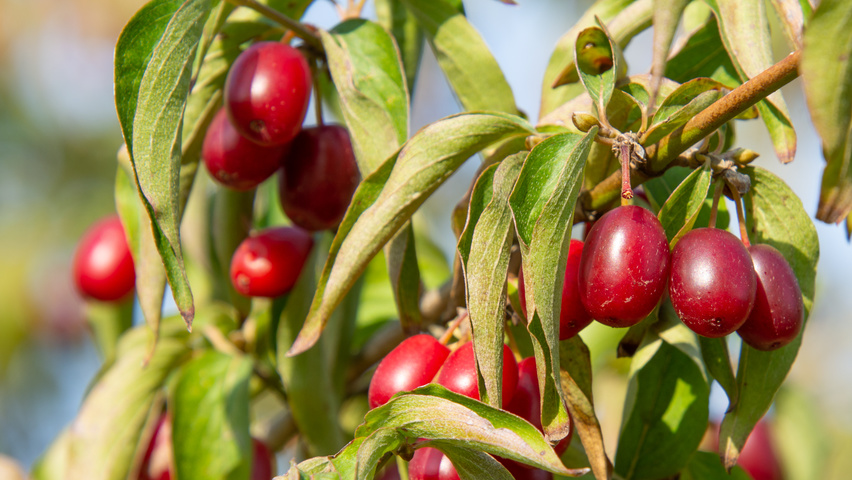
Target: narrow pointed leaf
153, 65
715, 353
468, 64
826, 71
366, 69
792, 20
562, 59
97, 450
704, 43
666, 19
387, 199
310, 396
679, 117
409, 37
597, 64
542, 204
576, 381
404, 273
210, 418
665, 413
484, 247
682, 96
706, 466
775, 216
680, 211
744, 28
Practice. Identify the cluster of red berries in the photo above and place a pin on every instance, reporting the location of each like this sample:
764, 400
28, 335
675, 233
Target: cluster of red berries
157, 464
717, 286
421, 359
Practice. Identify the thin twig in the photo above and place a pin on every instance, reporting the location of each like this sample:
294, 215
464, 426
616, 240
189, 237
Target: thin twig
717, 195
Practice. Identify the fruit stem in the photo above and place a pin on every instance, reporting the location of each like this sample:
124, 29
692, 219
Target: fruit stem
717, 195
445, 338
298, 28
740, 216
317, 94
402, 468
626, 190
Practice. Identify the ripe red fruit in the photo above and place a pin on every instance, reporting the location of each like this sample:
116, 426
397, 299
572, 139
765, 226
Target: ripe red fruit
459, 373
318, 177
712, 283
103, 265
431, 464
262, 463
624, 266
267, 92
413, 363
758, 457
233, 160
572, 315
268, 263
778, 312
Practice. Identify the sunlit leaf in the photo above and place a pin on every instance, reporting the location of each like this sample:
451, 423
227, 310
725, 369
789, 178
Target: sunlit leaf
680, 211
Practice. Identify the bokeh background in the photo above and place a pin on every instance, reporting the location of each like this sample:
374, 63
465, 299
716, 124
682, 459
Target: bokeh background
59, 136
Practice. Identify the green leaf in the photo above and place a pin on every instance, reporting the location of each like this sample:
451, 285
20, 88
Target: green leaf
153, 66
469, 66
681, 105
432, 412
472, 464
774, 216
800, 435
598, 64
633, 18
54, 462
744, 28
665, 413
210, 418
395, 18
542, 204
680, 211
706, 44
792, 17
827, 77
367, 72
716, 357
386, 200
706, 466
576, 381
123, 396
311, 396
404, 275
484, 247
667, 15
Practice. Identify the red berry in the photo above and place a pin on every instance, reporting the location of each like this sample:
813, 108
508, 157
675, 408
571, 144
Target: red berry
778, 312
267, 92
624, 266
431, 464
319, 177
758, 457
572, 315
713, 283
233, 160
458, 373
262, 463
413, 363
103, 265
268, 263
156, 464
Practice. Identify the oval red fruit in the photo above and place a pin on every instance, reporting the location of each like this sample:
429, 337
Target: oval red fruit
103, 264
413, 363
458, 373
268, 263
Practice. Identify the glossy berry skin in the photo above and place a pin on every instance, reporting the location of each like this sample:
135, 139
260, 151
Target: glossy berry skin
624, 266
103, 265
413, 363
713, 284
268, 263
267, 92
318, 177
233, 160
572, 315
778, 312
458, 373
431, 464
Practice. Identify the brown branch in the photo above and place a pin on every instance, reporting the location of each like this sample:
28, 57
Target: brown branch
664, 152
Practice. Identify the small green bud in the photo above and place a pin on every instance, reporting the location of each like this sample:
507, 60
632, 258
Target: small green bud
584, 121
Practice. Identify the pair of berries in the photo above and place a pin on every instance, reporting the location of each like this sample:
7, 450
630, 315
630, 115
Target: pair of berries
421, 359
259, 131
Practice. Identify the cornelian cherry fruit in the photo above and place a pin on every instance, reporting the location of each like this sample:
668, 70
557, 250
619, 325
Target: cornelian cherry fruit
413, 363
103, 265
267, 93
459, 373
778, 312
713, 283
431, 464
268, 263
624, 266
